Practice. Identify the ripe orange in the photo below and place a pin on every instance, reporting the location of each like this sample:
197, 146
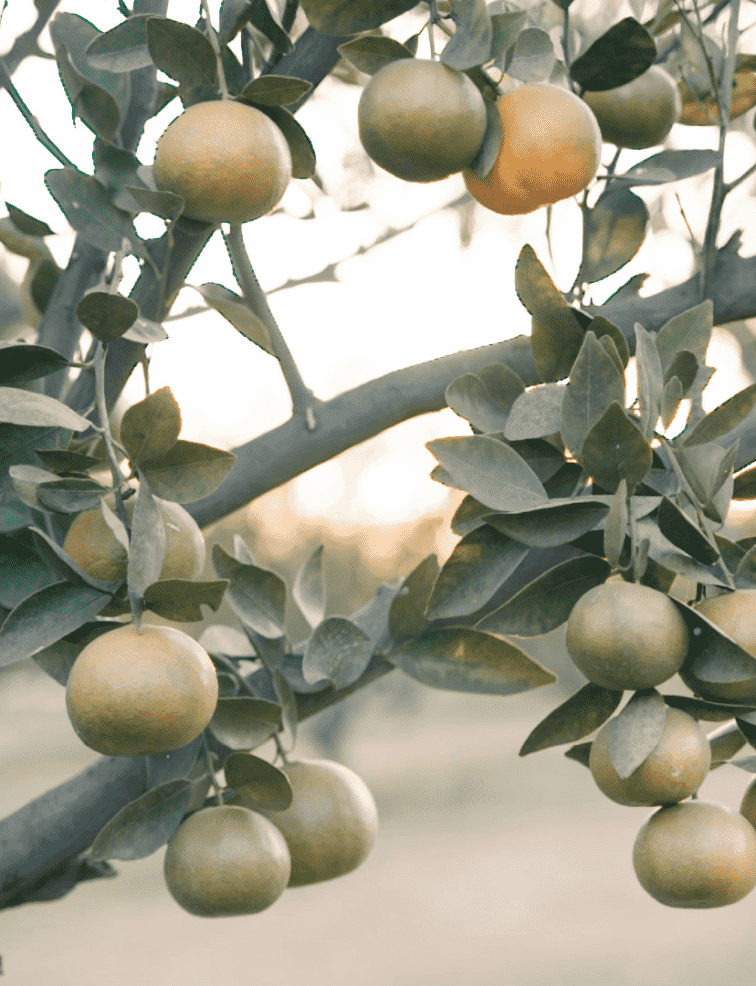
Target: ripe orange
421, 120
550, 150
331, 824
674, 770
696, 854
742, 99
639, 114
626, 636
92, 544
230, 162
224, 861
139, 692
735, 614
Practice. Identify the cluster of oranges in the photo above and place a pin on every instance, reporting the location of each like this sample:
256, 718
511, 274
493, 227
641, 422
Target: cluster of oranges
689, 853
152, 689
421, 121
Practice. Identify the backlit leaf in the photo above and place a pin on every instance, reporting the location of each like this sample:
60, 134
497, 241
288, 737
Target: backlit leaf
406, 614
613, 232
468, 396
308, 589
150, 428
181, 600
337, 651
188, 472
258, 597
615, 449
536, 413
723, 418
259, 785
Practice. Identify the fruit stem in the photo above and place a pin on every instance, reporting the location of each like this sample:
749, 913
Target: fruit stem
566, 47
211, 770
210, 32
303, 400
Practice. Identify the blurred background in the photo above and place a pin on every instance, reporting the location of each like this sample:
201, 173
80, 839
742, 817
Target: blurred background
489, 868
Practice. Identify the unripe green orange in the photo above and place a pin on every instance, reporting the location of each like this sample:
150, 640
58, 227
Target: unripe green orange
136, 692
331, 824
674, 770
225, 861
696, 854
639, 114
421, 120
626, 636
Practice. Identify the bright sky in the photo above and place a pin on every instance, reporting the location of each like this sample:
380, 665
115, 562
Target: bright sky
419, 296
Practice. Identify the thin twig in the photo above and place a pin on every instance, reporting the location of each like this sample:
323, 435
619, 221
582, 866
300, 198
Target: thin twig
302, 399
7, 83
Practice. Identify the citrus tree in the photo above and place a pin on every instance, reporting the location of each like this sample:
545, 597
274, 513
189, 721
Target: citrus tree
585, 503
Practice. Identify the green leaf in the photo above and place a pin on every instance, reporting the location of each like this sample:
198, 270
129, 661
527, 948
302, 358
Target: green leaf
406, 613
123, 48
581, 753
678, 528
536, 413
669, 166
468, 396
233, 16
86, 206
636, 731
650, 379
107, 316
713, 658
236, 311
147, 544
69, 496
470, 45
690, 331
469, 515
662, 551
245, 723
181, 600
150, 428
556, 334
594, 385
19, 363
613, 232
579, 716
483, 162
722, 419
24, 407
288, 703
337, 651
620, 55
259, 785
506, 29
182, 52
27, 224
369, 54
308, 589
554, 524
615, 449
491, 471
190, 471
45, 616
279, 90
135, 199
262, 19
144, 825
532, 58
258, 597
465, 660
341, 19
481, 563
22, 570
745, 485
546, 602
671, 399
707, 711
615, 528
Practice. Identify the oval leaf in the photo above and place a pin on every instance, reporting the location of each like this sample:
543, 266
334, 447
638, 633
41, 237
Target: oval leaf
337, 651
151, 428
536, 413
143, 826
24, 407
579, 716
190, 471
550, 526
308, 589
636, 731
464, 660
259, 785
245, 723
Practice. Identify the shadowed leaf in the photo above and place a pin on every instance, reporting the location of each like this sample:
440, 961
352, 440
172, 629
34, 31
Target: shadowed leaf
636, 731
579, 716
143, 826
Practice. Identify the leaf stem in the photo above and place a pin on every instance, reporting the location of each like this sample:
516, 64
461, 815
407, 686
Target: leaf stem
302, 399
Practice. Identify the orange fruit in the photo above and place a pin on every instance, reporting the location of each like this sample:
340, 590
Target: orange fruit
639, 114
626, 636
735, 614
92, 544
230, 162
550, 150
696, 854
421, 120
674, 770
224, 861
136, 692
693, 115
331, 824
